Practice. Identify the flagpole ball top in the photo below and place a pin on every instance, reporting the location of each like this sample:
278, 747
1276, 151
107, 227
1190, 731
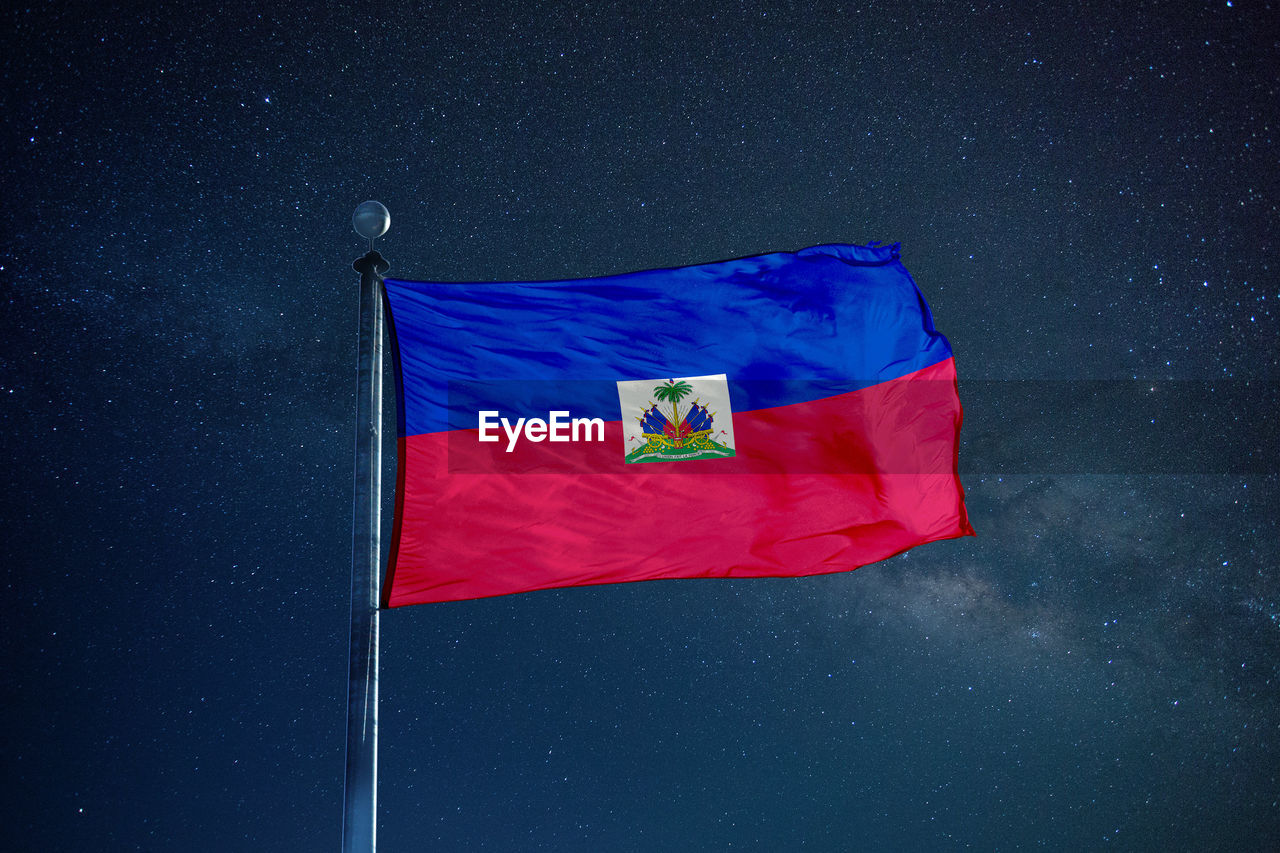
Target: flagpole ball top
371, 220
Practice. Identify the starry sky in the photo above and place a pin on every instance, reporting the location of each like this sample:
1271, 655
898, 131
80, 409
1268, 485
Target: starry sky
1087, 195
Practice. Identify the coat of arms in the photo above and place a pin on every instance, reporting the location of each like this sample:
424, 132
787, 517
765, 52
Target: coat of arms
660, 425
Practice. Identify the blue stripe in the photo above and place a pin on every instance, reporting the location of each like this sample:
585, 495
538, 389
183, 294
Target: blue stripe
785, 327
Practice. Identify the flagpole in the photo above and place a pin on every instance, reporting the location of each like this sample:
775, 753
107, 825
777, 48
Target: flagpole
360, 796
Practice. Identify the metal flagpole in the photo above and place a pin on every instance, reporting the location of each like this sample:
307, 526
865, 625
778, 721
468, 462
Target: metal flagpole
360, 797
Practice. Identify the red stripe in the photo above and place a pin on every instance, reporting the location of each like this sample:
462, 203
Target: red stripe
821, 486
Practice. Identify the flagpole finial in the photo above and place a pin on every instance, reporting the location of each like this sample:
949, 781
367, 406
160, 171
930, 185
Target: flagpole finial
371, 220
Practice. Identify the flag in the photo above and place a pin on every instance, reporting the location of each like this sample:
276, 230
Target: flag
781, 415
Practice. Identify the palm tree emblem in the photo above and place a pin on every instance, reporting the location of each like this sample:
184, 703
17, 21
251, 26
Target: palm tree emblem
667, 433
675, 392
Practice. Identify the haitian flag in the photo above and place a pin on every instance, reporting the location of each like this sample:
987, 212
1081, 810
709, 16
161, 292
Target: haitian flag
782, 415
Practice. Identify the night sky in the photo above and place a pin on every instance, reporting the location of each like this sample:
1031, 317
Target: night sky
1087, 192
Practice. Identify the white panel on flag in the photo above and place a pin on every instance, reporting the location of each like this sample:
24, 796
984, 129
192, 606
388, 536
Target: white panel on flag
681, 418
